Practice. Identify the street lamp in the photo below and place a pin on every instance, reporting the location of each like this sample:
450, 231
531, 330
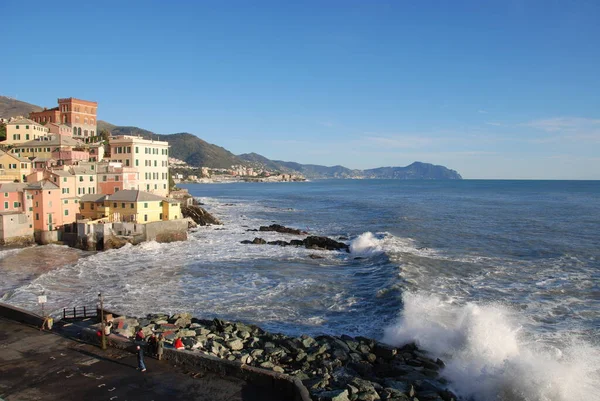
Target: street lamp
102, 320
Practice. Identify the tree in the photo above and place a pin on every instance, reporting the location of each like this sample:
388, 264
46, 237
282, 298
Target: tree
2, 131
104, 134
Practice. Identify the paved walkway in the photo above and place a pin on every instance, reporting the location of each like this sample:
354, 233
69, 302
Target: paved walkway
36, 365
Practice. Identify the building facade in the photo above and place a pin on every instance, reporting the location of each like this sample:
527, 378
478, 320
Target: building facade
79, 115
23, 130
151, 158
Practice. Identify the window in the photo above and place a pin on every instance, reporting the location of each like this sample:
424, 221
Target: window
117, 177
66, 201
160, 216
80, 178
103, 178
66, 212
145, 217
82, 206
37, 204
145, 206
6, 194
132, 205
123, 205
137, 162
91, 178
115, 204
6, 205
137, 149
37, 216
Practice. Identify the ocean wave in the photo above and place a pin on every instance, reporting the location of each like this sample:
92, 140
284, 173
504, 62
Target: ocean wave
489, 355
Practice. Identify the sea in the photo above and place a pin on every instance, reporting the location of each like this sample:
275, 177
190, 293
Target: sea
500, 279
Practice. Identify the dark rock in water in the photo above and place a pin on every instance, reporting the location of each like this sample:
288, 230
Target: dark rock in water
314, 242
297, 242
278, 242
384, 351
281, 229
256, 241
199, 215
315, 256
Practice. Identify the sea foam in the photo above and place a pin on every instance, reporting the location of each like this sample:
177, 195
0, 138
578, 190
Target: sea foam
489, 356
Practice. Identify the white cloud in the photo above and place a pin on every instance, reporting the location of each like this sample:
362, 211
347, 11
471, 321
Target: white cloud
564, 124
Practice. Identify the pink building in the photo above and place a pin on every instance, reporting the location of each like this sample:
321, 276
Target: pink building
70, 157
47, 205
59, 129
12, 197
113, 177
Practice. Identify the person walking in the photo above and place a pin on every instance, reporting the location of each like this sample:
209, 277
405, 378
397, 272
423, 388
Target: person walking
140, 358
160, 346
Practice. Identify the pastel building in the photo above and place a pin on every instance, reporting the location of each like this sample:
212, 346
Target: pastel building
14, 168
85, 178
59, 129
44, 147
15, 213
129, 206
151, 158
113, 177
23, 130
47, 207
79, 115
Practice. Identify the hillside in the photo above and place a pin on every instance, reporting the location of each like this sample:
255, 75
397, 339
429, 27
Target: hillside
10, 107
199, 153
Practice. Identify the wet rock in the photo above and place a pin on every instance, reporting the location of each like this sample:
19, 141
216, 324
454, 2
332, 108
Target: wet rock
199, 215
384, 351
235, 345
315, 256
278, 242
281, 229
314, 242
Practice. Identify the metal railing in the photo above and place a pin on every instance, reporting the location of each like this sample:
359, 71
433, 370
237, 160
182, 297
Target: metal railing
80, 312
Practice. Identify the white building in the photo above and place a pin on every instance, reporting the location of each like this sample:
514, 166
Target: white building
150, 157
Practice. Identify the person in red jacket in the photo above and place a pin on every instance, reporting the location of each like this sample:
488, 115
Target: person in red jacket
178, 344
139, 336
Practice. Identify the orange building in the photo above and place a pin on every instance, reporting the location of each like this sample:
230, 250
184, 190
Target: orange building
80, 115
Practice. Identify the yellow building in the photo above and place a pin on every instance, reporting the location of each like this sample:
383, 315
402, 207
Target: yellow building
13, 168
23, 130
150, 157
129, 205
43, 147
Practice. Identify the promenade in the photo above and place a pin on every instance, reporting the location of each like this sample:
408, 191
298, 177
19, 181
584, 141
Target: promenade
38, 365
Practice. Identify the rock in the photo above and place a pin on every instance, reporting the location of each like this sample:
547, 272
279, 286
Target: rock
267, 365
279, 242
307, 341
199, 215
314, 242
278, 369
256, 241
332, 395
186, 333
235, 345
296, 242
384, 351
315, 256
281, 229
246, 359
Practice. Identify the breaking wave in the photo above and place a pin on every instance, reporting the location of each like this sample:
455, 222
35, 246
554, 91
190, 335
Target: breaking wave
489, 356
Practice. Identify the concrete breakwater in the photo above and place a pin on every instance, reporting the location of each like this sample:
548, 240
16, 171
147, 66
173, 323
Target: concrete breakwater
329, 367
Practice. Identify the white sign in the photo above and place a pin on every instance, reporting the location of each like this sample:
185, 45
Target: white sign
42, 299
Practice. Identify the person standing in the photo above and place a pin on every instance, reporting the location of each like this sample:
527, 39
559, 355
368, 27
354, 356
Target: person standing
160, 346
152, 343
139, 336
140, 358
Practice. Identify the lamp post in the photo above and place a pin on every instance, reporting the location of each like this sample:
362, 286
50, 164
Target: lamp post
102, 320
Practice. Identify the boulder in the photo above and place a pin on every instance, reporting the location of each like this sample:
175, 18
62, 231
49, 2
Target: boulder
199, 215
333, 395
281, 229
314, 242
235, 345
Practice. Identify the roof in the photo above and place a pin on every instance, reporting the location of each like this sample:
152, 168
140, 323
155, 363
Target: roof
82, 170
19, 158
61, 173
97, 198
60, 140
43, 184
12, 186
135, 195
24, 121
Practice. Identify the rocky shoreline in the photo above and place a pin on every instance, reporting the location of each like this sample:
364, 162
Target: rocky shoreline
332, 368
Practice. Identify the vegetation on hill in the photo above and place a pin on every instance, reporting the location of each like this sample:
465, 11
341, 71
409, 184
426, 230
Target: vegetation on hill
10, 107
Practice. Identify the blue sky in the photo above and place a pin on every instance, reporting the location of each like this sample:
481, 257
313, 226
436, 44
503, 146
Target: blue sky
499, 89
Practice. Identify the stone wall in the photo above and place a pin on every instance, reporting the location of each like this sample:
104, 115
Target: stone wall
46, 237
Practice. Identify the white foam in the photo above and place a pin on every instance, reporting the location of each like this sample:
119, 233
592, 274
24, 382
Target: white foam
488, 356
365, 244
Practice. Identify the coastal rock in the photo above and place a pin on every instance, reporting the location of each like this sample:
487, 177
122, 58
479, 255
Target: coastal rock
314, 242
281, 229
333, 395
199, 215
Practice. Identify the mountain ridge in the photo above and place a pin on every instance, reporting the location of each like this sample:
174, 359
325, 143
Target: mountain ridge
198, 153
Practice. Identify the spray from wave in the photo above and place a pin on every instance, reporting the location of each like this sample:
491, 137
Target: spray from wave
489, 356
